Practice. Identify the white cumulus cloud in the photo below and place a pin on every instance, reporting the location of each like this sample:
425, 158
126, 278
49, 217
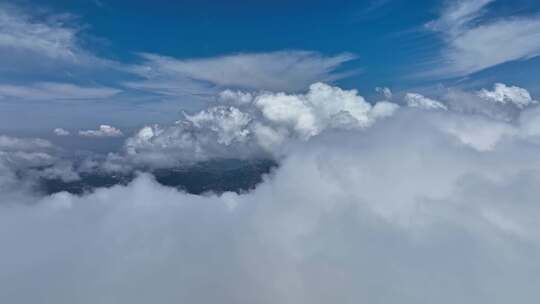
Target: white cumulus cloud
102, 131
245, 124
508, 94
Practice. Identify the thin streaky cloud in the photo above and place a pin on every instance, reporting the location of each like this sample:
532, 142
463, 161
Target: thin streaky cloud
473, 43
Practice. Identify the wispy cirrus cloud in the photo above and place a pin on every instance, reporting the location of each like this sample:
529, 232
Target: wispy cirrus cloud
44, 58
473, 43
49, 41
51, 47
504, 94
50, 38
49, 91
282, 71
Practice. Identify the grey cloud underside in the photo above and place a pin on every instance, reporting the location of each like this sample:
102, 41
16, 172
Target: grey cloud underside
420, 205
55, 91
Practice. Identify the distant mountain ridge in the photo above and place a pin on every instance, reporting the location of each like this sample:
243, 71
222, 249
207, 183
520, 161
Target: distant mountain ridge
210, 176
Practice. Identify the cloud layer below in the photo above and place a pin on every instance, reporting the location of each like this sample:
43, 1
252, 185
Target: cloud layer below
419, 205
276, 71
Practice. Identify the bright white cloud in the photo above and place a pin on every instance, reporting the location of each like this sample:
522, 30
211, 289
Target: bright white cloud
309, 114
248, 125
245, 124
229, 123
457, 14
473, 44
48, 91
102, 131
508, 94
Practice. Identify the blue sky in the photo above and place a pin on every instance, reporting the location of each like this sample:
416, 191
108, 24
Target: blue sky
405, 137
82, 62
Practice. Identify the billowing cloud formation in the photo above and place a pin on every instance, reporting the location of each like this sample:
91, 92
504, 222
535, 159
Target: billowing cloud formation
285, 70
413, 208
249, 125
103, 131
508, 94
473, 44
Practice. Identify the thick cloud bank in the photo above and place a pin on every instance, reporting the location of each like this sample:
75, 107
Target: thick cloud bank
370, 204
